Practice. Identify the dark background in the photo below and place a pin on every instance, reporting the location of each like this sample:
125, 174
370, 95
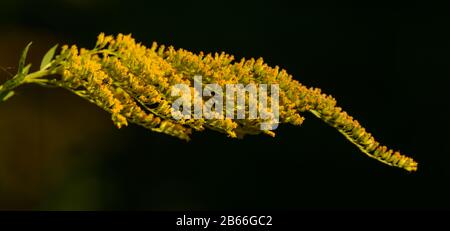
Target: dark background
388, 67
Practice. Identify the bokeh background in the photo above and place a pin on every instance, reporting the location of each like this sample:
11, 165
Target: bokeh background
388, 67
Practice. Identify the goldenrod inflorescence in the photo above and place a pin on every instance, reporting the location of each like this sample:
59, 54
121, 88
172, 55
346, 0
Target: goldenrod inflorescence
133, 83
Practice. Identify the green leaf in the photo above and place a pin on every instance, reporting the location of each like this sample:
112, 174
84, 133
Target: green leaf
23, 58
26, 69
6, 96
48, 57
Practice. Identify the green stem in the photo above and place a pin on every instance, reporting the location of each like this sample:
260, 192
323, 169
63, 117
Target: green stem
7, 88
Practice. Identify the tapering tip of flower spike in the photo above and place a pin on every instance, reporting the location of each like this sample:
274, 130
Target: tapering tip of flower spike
356, 134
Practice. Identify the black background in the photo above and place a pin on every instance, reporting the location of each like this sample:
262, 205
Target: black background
386, 66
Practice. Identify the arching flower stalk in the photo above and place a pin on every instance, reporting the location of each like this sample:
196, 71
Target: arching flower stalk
133, 83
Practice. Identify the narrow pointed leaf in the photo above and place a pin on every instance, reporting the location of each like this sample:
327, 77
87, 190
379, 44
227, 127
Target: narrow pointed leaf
48, 57
23, 58
26, 69
6, 96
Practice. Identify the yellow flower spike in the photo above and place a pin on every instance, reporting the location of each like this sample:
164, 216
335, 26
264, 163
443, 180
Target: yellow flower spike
133, 83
